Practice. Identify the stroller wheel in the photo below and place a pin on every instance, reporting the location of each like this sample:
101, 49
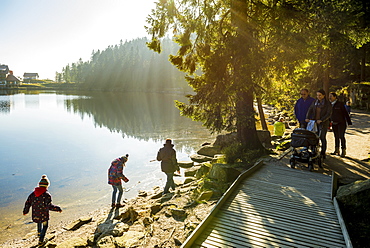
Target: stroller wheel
310, 166
292, 163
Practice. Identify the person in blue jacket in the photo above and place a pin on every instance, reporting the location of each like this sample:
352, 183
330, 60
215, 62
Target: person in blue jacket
301, 107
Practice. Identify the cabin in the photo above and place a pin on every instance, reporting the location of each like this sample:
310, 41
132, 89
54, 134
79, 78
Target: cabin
12, 81
30, 76
4, 70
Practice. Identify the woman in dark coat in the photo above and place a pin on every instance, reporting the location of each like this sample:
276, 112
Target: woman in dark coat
40, 201
320, 111
339, 120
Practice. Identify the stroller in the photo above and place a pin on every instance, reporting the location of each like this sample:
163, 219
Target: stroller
305, 146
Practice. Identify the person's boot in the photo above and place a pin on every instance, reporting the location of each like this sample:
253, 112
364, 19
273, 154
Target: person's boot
336, 151
343, 153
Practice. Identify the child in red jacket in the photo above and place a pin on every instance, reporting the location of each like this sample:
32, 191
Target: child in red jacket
40, 201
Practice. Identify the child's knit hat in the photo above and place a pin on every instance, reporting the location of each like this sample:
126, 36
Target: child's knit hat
44, 182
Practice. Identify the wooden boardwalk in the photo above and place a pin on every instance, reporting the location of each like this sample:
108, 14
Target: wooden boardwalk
274, 206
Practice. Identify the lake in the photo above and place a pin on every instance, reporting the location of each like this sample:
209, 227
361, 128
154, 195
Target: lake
73, 137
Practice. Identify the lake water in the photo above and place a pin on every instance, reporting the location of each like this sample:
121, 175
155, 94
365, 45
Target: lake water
73, 138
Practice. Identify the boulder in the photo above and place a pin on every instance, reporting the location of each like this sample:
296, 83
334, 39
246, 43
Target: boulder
73, 242
189, 179
179, 214
225, 140
200, 158
205, 196
186, 164
209, 150
105, 242
223, 173
78, 223
356, 194
203, 170
142, 193
129, 239
191, 171
155, 208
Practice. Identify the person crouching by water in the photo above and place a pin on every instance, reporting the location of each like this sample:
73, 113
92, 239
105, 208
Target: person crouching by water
115, 175
339, 120
169, 164
320, 111
40, 201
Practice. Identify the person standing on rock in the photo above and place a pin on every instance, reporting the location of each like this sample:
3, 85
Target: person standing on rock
167, 156
339, 120
115, 175
301, 107
40, 201
320, 111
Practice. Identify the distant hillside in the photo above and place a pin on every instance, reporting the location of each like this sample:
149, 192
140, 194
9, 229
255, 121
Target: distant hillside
129, 66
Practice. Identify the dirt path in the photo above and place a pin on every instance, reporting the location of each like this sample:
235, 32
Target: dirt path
356, 165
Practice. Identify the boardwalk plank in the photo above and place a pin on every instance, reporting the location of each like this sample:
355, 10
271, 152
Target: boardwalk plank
276, 206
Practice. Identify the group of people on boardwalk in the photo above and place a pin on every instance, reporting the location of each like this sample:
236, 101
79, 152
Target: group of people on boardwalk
324, 113
41, 202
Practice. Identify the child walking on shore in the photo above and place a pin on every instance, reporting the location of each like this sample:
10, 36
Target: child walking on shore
40, 201
115, 175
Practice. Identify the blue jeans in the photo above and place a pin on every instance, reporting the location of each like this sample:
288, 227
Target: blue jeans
170, 183
41, 230
115, 188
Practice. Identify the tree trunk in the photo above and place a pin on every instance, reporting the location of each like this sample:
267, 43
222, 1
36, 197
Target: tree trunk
363, 63
261, 114
242, 47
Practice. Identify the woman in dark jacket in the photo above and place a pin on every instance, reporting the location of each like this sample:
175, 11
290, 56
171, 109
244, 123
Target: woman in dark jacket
169, 164
339, 119
320, 111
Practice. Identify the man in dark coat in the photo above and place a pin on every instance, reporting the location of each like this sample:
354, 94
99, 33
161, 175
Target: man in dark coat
169, 164
40, 201
301, 107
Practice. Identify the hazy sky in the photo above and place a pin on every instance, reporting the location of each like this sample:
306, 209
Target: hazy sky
43, 36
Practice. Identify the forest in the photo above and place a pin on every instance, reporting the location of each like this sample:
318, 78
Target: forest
128, 66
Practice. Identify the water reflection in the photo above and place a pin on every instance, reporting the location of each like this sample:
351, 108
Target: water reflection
144, 116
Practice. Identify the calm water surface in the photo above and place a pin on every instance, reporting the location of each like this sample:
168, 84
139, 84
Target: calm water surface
73, 138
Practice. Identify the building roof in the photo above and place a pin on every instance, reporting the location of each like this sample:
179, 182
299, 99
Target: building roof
30, 74
12, 78
4, 69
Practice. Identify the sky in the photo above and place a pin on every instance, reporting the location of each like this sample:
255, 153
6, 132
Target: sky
43, 36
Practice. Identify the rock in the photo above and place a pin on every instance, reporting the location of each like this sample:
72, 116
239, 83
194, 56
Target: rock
186, 164
230, 138
205, 196
142, 193
209, 150
223, 173
203, 170
179, 214
191, 171
265, 137
119, 228
147, 221
155, 208
200, 158
356, 194
73, 242
177, 242
189, 179
106, 242
225, 140
78, 223
156, 195
129, 239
